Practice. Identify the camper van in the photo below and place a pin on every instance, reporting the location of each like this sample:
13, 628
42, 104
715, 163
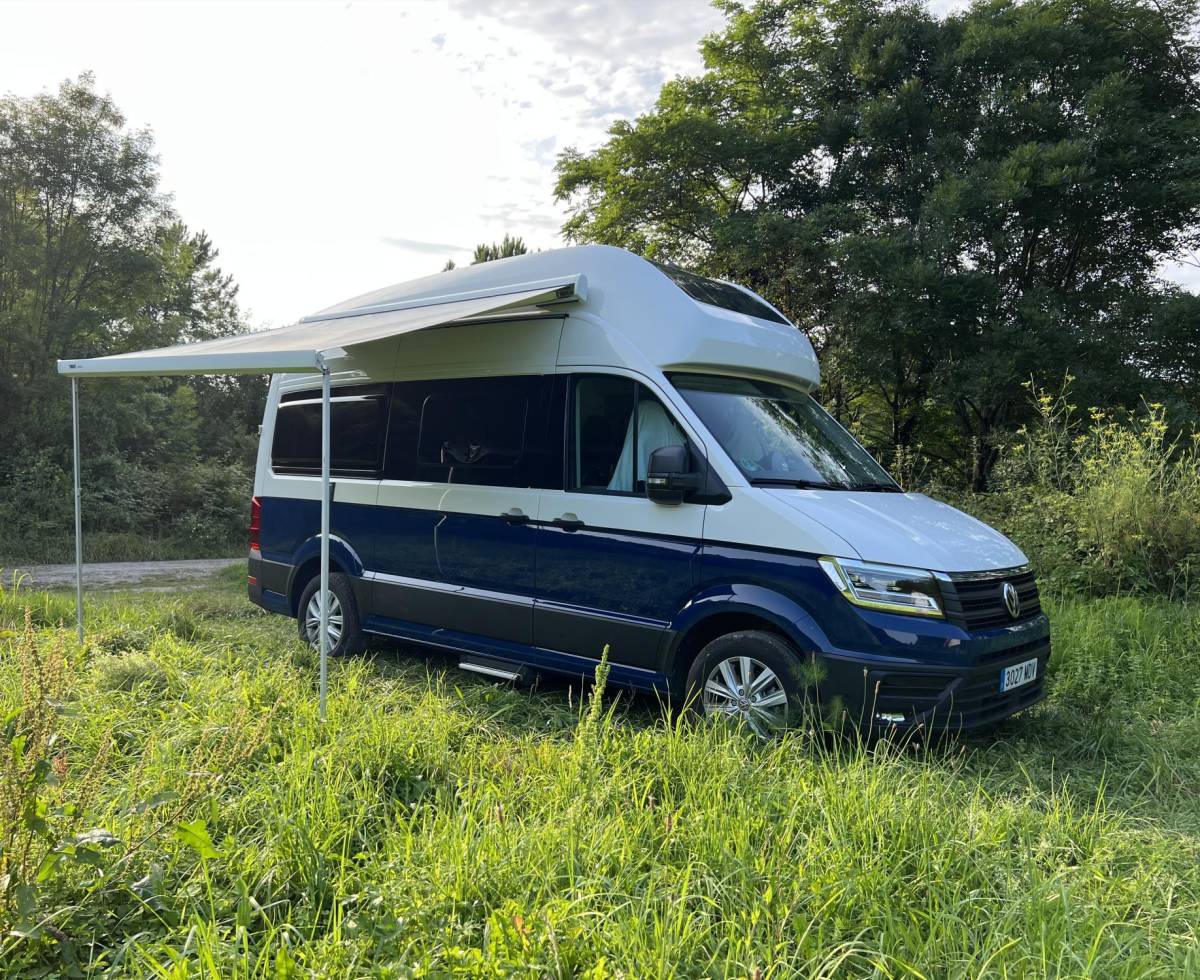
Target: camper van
633, 463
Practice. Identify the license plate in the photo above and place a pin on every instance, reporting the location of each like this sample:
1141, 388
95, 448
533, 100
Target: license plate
1018, 674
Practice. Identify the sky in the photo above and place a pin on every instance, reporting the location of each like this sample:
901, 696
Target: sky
329, 149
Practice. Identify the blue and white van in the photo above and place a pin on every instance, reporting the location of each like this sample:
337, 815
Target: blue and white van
645, 470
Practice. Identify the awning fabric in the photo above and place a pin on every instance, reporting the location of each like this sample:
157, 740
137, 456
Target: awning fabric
300, 347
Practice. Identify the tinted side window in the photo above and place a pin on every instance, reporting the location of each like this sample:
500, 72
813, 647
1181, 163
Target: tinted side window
480, 431
608, 452
553, 462
357, 423
476, 429
601, 410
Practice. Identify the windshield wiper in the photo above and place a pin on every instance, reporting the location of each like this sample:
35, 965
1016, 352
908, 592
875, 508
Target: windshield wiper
777, 481
878, 487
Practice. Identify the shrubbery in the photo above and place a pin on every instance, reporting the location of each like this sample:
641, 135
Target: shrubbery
132, 509
1103, 505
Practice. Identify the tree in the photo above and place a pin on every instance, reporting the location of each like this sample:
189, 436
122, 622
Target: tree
508, 247
93, 260
947, 207
79, 208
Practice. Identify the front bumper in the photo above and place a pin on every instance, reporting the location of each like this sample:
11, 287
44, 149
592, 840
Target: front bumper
943, 697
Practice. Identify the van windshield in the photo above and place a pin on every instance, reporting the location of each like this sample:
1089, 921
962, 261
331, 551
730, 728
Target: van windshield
780, 437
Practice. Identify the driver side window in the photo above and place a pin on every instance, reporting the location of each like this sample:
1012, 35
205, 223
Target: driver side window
616, 423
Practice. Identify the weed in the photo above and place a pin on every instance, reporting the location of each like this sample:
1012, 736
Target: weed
1105, 505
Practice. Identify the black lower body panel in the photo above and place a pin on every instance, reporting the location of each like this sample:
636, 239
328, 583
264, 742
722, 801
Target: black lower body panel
946, 699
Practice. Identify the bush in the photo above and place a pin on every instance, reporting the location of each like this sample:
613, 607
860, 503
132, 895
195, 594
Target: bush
132, 511
1108, 506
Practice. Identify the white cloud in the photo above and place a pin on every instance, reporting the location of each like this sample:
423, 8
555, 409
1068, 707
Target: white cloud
424, 248
333, 148
612, 56
1185, 274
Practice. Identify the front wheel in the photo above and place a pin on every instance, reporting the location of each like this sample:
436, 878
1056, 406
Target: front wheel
751, 676
345, 638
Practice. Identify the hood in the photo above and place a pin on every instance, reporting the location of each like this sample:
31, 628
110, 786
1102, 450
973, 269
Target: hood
906, 529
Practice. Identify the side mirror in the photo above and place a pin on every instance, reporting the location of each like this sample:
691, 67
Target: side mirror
668, 476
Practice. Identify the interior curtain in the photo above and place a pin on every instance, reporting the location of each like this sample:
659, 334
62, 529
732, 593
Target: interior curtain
655, 430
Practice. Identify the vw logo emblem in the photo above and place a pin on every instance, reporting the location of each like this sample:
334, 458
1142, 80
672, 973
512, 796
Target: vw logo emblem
1012, 601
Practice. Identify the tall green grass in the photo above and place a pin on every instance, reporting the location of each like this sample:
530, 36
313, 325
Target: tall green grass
439, 825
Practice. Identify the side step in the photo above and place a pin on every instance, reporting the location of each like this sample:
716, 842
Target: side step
501, 670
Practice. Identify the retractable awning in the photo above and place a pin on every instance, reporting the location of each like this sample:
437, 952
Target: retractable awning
300, 347
307, 346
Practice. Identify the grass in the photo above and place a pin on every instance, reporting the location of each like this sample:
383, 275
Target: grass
438, 824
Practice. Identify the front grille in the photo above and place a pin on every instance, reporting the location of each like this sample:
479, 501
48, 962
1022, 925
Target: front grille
976, 601
1033, 648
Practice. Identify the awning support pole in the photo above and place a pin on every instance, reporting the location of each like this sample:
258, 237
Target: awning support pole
324, 534
78, 512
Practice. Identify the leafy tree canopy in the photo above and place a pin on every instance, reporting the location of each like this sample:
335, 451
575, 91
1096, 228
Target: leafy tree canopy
94, 260
511, 245
948, 207
485, 252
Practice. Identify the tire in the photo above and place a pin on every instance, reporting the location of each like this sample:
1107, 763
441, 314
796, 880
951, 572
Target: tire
716, 681
349, 638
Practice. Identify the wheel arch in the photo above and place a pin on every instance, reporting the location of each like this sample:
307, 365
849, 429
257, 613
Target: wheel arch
729, 609
307, 564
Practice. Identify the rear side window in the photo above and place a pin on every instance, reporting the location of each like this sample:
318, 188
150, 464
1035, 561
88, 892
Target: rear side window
475, 431
358, 423
720, 294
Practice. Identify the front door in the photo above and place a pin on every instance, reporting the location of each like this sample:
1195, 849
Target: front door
613, 567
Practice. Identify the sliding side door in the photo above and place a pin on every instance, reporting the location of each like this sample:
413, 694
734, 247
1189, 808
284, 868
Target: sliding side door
458, 507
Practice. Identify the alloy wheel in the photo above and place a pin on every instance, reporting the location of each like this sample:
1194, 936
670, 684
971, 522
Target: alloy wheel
312, 620
748, 690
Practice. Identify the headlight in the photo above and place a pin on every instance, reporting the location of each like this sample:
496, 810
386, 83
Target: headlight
889, 587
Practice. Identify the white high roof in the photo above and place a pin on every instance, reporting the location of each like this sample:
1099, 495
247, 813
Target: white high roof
627, 302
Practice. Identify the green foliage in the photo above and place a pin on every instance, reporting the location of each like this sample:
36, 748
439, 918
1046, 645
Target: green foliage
129, 671
441, 825
946, 205
93, 261
485, 252
508, 247
1107, 505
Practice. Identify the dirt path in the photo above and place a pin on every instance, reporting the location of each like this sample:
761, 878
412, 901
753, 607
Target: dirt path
119, 574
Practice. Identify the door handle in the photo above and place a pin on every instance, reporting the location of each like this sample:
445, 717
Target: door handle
568, 522
514, 515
